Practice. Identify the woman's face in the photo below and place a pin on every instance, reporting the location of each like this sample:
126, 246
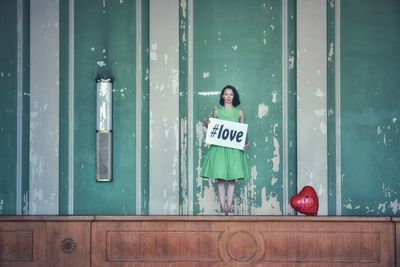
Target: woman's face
228, 96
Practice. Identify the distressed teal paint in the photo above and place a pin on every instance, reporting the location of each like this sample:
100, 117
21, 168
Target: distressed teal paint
64, 107
9, 106
105, 31
26, 107
144, 131
292, 99
331, 108
183, 107
8, 101
243, 48
370, 107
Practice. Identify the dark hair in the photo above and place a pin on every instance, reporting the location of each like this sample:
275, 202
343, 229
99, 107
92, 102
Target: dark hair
236, 98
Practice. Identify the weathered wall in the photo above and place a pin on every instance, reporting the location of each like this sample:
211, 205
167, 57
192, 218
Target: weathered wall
370, 107
14, 107
245, 49
44, 107
104, 33
343, 122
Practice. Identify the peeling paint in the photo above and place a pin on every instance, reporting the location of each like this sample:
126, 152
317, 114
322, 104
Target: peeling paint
183, 6
153, 52
276, 159
219, 38
253, 172
323, 127
269, 204
319, 93
379, 130
264, 37
207, 197
151, 125
262, 110
274, 95
274, 180
331, 53
211, 93
206, 75
291, 62
395, 206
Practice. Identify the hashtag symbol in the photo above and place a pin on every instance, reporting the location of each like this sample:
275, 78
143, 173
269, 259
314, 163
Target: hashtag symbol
214, 130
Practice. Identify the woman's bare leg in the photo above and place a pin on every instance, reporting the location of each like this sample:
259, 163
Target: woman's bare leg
221, 195
231, 192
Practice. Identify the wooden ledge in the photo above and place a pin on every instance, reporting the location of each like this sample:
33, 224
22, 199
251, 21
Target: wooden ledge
199, 218
36, 218
245, 218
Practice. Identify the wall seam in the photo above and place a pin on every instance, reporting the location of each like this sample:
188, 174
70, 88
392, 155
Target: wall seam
190, 108
285, 199
337, 111
20, 107
138, 106
71, 109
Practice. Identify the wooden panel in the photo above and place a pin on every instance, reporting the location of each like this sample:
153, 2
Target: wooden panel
148, 243
199, 241
10, 240
68, 244
397, 221
22, 243
242, 241
322, 246
338, 243
164, 246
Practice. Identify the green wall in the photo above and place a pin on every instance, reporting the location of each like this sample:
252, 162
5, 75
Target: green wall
370, 106
105, 31
8, 81
242, 47
9, 72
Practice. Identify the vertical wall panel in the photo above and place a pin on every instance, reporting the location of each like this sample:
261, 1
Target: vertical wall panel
243, 48
185, 105
370, 107
14, 107
142, 107
291, 116
332, 106
105, 33
8, 103
164, 107
44, 108
312, 98
65, 123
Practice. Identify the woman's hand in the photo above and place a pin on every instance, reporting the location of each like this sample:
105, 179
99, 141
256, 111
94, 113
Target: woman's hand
246, 146
206, 121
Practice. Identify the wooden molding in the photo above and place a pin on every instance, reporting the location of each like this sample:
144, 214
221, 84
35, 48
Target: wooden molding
199, 241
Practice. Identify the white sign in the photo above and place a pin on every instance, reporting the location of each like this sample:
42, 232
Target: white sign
226, 133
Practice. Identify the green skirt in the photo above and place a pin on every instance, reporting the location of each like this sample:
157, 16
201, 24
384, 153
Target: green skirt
225, 163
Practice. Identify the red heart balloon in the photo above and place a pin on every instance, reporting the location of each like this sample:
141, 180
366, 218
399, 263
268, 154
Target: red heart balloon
306, 201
